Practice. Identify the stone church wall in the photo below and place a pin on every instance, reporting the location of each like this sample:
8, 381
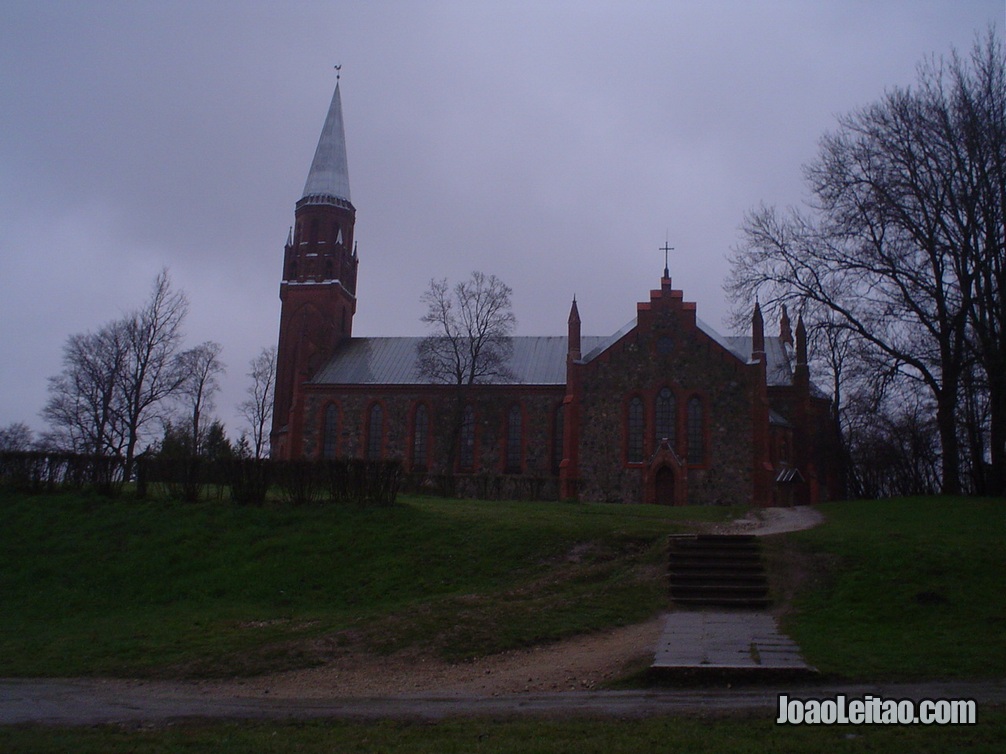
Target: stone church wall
692, 365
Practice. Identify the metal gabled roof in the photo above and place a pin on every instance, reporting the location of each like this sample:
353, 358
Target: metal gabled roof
394, 361
778, 359
536, 360
603, 344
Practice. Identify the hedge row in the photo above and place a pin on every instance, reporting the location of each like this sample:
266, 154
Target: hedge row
483, 486
298, 482
247, 479
41, 471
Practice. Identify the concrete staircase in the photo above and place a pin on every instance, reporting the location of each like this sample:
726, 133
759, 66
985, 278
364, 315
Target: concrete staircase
717, 570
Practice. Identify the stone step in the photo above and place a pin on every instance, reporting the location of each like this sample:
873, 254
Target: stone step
724, 570
718, 590
716, 577
713, 561
754, 603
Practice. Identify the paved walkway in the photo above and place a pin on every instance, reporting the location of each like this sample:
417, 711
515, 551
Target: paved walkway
726, 640
721, 640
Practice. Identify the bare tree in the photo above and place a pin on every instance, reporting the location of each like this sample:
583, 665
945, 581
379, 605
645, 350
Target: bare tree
85, 407
200, 368
257, 408
151, 373
16, 436
470, 341
896, 242
975, 127
471, 327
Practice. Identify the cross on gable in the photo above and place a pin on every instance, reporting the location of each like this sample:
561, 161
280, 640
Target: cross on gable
666, 248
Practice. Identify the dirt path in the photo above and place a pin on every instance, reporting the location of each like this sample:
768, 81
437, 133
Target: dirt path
583, 662
765, 521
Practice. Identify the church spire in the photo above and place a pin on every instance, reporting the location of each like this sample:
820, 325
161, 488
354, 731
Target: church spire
328, 179
318, 288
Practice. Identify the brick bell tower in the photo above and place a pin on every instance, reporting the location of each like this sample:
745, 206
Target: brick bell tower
318, 289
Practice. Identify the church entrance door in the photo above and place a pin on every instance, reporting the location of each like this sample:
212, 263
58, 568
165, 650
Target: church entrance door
664, 486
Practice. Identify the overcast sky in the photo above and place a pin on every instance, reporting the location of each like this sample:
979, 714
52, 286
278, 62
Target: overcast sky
555, 144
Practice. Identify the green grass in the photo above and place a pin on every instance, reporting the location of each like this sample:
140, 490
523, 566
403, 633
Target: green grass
899, 589
528, 736
906, 589
153, 588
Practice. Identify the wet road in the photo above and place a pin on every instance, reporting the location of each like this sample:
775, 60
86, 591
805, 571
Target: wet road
93, 702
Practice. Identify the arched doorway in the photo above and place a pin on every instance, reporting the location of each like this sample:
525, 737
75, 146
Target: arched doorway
663, 483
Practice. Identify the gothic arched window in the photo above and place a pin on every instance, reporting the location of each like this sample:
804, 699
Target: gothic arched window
696, 432
375, 432
330, 432
466, 457
665, 417
634, 451
420, 438
558, 436
513, 440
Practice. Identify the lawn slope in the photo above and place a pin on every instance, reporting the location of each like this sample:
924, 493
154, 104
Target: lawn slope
154, 588
903, 589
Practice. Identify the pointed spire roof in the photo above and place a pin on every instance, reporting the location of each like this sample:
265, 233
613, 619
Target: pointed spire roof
785, 331
574, 313
329, 174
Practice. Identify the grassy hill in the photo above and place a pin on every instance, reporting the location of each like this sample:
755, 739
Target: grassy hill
885, 589
155, 588
901, 589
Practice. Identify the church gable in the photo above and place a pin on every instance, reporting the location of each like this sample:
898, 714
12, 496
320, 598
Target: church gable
676, 399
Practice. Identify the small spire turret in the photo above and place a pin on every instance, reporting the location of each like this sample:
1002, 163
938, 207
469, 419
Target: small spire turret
573, 340
757, 334
785, 332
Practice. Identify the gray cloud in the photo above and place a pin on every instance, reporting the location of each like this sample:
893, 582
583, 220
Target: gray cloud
553, 144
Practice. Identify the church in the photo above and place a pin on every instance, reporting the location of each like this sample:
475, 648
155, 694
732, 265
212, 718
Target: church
664, 411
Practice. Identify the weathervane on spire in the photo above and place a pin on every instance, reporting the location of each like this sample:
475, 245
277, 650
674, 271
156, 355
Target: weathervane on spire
338, 72
666, 248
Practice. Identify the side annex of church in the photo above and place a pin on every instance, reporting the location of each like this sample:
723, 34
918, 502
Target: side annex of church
665, 410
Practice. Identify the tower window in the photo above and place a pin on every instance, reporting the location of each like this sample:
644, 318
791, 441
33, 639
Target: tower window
635, 431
